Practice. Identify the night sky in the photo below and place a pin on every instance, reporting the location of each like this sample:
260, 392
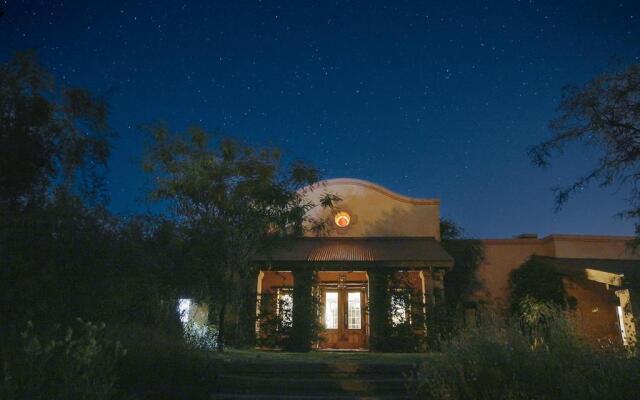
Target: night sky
430, 100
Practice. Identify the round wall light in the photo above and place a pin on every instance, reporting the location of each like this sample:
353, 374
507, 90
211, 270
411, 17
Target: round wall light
342, 219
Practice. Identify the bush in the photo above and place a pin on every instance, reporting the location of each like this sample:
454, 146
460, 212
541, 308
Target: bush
159, 365
500, 363
200, 337
62, 365
275, 327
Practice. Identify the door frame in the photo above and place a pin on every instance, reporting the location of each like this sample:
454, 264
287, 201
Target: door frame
343, 288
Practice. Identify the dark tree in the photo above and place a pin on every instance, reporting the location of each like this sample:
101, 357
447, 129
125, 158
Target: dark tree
62, 254
49, 133
603, 114
232, 201
461, 282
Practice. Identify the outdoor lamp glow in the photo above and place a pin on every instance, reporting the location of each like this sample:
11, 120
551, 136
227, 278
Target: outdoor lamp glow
342, 219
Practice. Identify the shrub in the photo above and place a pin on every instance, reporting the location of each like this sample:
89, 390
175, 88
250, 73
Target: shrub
538, 280
159, 365
275, 327
200, 337
62, 365
500, 363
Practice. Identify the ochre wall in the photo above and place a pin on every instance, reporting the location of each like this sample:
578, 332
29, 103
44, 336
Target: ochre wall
501, 257
272, 280
375, 211
595, 315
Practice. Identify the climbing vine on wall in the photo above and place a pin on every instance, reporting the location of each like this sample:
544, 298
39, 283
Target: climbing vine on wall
396, 313
306, 326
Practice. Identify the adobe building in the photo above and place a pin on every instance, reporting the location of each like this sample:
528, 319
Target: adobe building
375, 233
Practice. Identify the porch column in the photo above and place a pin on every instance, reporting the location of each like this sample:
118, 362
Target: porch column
379, 308
427, 290
629, 307
303, 313
258, 300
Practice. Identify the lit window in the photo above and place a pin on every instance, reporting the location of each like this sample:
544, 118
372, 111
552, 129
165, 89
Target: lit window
285, 307
353, 300
331, 310
399, 308
342, 219
184, 308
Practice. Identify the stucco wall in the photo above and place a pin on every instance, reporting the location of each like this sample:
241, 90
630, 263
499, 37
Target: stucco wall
501, 257
576, 246
375, 211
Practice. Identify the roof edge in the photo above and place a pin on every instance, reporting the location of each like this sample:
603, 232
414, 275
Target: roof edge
559, 237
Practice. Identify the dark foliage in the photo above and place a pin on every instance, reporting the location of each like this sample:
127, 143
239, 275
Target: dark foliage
603, 114
539, 281
76, 363
396, 313
231, 201
62, 255
500, 363
274, 321
49, 134
461, 286
461, 282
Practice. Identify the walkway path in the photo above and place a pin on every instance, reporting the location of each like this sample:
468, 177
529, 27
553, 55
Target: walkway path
265, 375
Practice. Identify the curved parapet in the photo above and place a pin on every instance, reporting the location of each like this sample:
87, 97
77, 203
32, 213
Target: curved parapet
368, 209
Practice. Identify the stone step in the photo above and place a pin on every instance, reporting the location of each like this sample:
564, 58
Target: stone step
311, 369
229, 396
316, 385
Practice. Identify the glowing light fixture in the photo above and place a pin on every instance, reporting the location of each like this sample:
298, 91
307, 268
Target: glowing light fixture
342, 219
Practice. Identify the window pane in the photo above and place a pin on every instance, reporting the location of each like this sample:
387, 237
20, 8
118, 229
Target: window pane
353, 301
331, 310
285, 307
398, 309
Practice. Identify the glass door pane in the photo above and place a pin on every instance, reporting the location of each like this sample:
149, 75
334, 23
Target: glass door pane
354, 315
331, 310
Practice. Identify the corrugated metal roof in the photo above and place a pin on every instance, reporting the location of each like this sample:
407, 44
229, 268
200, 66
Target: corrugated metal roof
410, 251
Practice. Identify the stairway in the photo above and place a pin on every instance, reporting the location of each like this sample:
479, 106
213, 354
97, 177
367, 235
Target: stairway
311, 380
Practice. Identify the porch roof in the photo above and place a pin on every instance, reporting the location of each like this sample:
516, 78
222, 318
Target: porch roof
609, 271
399, 252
